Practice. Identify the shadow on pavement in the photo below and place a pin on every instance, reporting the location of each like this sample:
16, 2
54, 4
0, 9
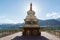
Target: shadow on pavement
30, 38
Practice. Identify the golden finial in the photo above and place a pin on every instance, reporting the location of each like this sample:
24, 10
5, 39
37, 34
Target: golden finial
30, 6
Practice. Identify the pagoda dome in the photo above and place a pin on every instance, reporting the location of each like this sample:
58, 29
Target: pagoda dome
31, 12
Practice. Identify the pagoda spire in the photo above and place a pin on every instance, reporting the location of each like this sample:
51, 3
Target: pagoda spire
30, 6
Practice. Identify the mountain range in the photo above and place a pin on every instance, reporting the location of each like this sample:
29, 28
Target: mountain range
49, 22
58, 19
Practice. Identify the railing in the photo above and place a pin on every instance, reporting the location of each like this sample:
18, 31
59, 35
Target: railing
6, 32
54, 32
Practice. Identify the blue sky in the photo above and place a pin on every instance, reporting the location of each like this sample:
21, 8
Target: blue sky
15, 11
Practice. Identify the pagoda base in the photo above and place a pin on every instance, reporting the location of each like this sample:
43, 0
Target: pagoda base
31, 31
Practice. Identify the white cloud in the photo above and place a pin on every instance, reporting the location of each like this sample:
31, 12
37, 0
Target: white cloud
11, 21
4, 19
53, 15
8, 21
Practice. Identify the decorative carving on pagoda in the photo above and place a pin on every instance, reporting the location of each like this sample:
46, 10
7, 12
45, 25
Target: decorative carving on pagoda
31, 26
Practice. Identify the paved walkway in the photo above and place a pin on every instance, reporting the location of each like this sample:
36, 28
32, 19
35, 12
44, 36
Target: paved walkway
45, 36
50, 36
